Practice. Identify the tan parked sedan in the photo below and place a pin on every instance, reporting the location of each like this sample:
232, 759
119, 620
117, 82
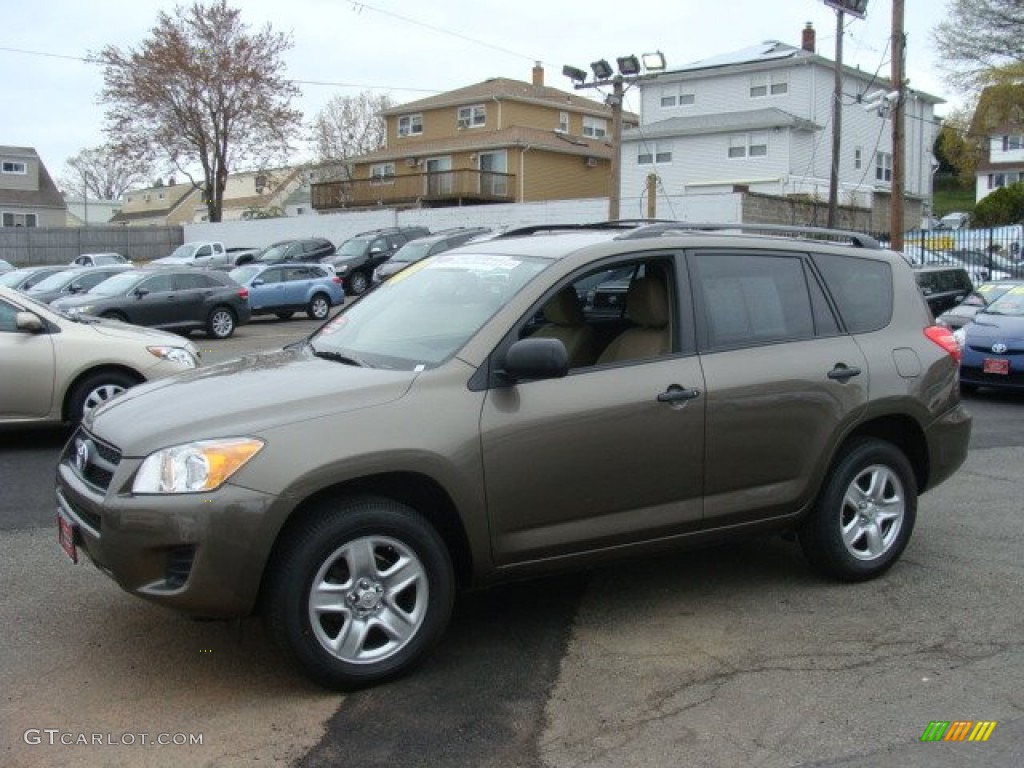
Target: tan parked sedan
55, 368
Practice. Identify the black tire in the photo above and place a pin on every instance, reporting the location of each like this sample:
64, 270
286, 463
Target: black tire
359, 546
319, 307
95, 389
220, 323
357, 283
865, 513
113, 314
284, 315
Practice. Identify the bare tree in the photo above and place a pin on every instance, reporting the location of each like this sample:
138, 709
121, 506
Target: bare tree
348, 126
981, 42
103, 173
201, 92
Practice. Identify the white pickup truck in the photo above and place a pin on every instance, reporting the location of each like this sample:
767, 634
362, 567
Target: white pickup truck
200, 253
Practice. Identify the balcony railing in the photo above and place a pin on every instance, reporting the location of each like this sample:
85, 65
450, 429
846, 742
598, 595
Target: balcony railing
436, 188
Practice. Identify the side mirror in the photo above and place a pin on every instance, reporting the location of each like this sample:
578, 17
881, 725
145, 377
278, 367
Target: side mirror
536, 359
141, 292
28, 322
258, 281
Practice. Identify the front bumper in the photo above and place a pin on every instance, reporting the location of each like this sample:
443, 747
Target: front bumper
200, 553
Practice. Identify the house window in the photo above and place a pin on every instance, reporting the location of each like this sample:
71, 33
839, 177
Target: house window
15, 167
748, 145
472, 117
772, 83
595, 127
410, 125
1009, 143
563, 122
675, 97
654, 152
19, 219
883, 166
858, 157
382, 173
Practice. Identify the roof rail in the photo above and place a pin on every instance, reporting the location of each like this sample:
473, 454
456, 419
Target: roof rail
597, 226
857, 239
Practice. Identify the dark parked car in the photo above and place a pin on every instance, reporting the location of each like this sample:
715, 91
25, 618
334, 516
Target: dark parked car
24, 278
434, 435
943, 287
180, 299
978, 299
284, 289
422, 247
308, 249
359, 256
993, 344
73, 281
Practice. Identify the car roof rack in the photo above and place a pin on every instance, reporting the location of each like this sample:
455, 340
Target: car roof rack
612, 225
856, 239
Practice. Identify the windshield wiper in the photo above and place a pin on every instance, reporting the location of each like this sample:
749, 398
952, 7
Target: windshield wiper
338, 357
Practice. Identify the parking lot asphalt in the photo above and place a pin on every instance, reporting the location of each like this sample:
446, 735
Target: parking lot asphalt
734, 656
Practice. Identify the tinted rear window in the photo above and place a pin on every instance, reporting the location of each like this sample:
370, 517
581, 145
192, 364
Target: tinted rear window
861, 288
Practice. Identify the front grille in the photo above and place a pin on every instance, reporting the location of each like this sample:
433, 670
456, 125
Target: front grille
93, 460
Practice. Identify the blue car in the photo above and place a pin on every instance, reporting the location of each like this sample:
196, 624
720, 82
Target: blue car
993, 345
284, 289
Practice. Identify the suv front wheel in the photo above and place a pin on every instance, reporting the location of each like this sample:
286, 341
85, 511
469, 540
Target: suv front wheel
360, 592
357, 283
865, 513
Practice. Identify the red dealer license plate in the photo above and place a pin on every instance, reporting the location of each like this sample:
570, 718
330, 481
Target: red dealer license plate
996, 365
66, 535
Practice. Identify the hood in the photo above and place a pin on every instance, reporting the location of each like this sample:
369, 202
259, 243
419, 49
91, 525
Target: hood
76, 300
1005, 327
241, 397
172, 260
115, 329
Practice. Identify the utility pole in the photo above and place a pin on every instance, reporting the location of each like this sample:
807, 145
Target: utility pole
837, 124
898, 46
614, 194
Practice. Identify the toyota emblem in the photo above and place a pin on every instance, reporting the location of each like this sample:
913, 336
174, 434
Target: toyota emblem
999, 348
83, 453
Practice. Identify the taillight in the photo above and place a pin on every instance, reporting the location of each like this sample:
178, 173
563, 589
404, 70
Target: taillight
243, 294
337, 279
945, 339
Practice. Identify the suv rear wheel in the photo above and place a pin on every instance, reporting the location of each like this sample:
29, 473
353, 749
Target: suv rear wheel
319, 307
360, 593
221, 323
865, 513
357, 283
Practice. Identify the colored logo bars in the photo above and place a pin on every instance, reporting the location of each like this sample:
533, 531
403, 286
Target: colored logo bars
958, 730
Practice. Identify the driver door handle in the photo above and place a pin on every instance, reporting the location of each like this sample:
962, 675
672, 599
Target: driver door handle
676, 394
843, 373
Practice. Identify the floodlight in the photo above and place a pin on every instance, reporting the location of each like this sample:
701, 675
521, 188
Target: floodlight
628, 65
602, 70
574, 74
654, 62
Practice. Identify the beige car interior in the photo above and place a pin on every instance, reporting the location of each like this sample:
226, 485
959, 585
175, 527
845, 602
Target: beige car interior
566, 323
648, 309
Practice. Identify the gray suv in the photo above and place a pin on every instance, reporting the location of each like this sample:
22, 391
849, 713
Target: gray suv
482, 419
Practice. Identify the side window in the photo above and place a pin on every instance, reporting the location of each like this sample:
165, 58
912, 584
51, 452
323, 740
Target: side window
272, 276
186, 282
861, 288
157, 284
8, 315
85, 282
204, 251
753, 299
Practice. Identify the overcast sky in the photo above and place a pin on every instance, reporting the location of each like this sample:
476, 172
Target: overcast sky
412, 50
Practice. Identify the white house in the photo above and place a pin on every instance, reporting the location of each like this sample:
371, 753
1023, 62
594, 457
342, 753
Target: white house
999, 116
760, 119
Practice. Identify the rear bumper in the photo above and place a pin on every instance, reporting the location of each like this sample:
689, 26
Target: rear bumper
948, 439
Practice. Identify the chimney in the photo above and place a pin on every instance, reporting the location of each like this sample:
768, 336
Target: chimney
538, 74
807, 41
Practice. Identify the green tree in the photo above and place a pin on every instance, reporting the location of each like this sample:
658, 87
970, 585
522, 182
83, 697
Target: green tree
202, 94
1004, 206
981, 42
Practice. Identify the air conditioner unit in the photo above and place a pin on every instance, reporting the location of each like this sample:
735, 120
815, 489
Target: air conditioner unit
590, 162
463, 122
411, 162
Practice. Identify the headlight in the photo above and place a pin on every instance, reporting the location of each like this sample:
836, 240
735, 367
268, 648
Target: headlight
178, 355
194, 467
79, 310
961, 337
340, 269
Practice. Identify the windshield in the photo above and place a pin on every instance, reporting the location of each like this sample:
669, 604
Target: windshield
183, 251
10, 279
273, 253
986, 293
1010, 303
423, 315
411, 252
116, 285
55, 281
355, 247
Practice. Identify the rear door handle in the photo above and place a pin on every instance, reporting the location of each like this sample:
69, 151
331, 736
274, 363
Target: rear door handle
843, 372
677, 394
